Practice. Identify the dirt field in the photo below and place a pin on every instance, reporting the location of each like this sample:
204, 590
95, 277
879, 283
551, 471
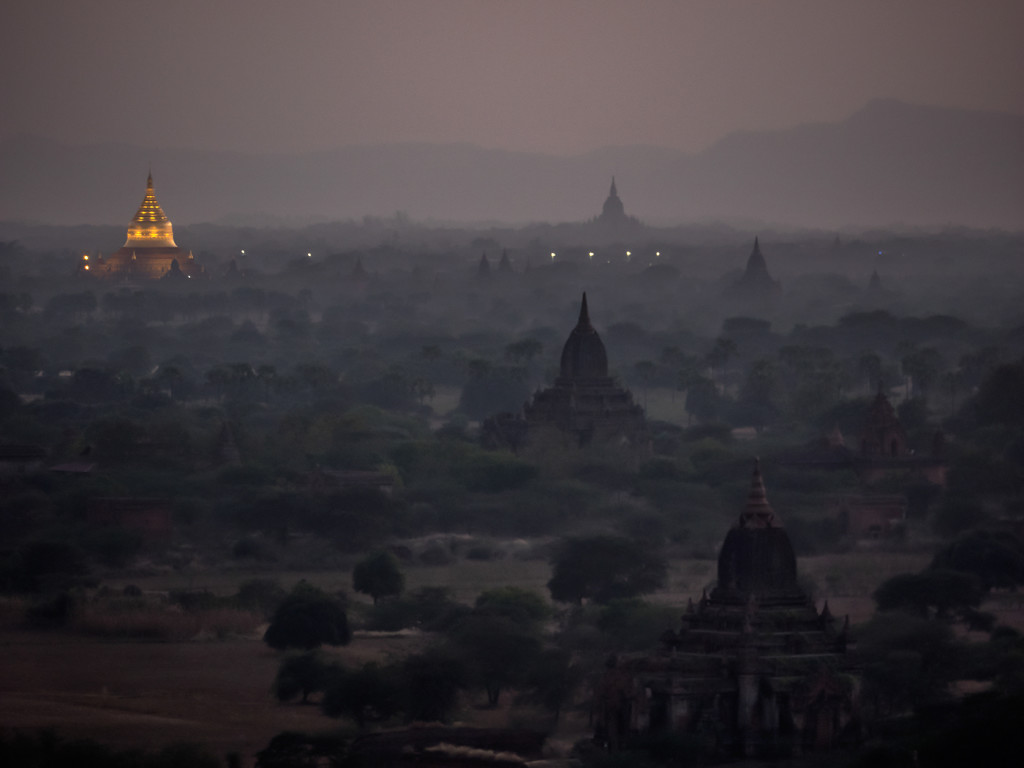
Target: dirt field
216, 693
132, 694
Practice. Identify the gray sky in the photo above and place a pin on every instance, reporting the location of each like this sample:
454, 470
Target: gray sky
552, 76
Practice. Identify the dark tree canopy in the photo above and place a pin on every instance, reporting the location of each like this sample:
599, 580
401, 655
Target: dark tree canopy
603, 568
907, 661
998, 400
498, 650
522, 606
997, 560
307, 619
941, 591
369, 694
302, 675
430, 682
378, 576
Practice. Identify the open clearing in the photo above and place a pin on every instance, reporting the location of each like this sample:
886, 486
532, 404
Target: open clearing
216, 693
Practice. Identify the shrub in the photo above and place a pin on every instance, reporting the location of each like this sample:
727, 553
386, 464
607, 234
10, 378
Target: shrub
378, 576
307, 618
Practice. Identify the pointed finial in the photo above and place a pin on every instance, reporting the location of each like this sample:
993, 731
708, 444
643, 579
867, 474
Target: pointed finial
584, 314
758, 512
613, 192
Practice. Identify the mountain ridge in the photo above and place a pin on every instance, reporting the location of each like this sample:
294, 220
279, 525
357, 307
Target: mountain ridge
888, 162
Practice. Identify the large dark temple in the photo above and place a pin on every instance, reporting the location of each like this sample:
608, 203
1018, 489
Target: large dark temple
585, 403
755, 669
584, 406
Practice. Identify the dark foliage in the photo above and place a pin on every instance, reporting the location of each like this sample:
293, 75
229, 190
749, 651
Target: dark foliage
47, 750
378, 576
997, 560
943, 592
603, 568
308, 618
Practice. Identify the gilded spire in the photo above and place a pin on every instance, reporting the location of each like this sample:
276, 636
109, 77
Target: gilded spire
150, 228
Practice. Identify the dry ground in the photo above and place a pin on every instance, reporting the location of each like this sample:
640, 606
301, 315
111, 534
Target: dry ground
138, 694
216, 693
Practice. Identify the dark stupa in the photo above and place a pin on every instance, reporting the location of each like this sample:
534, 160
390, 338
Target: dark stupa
754, 669
756, 284
584, 406
584, 359
757, 557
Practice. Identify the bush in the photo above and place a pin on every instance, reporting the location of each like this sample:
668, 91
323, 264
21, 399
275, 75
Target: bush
429, 608
437, 555
52, 613
307, 618
303, 674
263, 595
378, 576
48, 565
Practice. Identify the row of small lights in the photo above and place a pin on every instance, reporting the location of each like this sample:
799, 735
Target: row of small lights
629, 254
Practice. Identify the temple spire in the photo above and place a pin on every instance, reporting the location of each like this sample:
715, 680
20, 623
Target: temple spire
150, 226
613, 192
584, 314
758, 513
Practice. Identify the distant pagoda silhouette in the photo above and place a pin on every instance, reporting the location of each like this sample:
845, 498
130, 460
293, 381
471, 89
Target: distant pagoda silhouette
755, 287
613, 220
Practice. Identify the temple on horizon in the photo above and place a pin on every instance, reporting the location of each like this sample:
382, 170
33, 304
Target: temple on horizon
149, 252
613, 219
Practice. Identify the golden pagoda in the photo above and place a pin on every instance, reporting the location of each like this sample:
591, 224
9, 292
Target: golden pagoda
149, 252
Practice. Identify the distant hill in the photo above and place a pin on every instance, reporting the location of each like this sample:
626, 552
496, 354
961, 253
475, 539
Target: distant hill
890, 163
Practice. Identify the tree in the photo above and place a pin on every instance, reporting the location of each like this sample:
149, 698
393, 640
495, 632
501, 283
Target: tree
522, 606
702, 399
499, 651
369, 694
941, 591
603, 568
759, 394
303, 674
645, 370
378, 576
491, 390
523, 351
996, 560
430, 683
307, 618
907, 661
724, 349
998, 400
922, 366
47, 566
870, 365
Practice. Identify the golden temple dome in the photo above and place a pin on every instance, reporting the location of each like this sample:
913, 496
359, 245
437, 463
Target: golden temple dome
150, 228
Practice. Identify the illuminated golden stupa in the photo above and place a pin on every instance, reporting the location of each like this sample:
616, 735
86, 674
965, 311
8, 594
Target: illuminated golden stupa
149, 252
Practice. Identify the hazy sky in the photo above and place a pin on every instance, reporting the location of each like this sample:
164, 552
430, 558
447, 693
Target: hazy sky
551, 76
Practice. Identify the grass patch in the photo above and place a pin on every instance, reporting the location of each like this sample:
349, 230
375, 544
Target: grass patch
166, 623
